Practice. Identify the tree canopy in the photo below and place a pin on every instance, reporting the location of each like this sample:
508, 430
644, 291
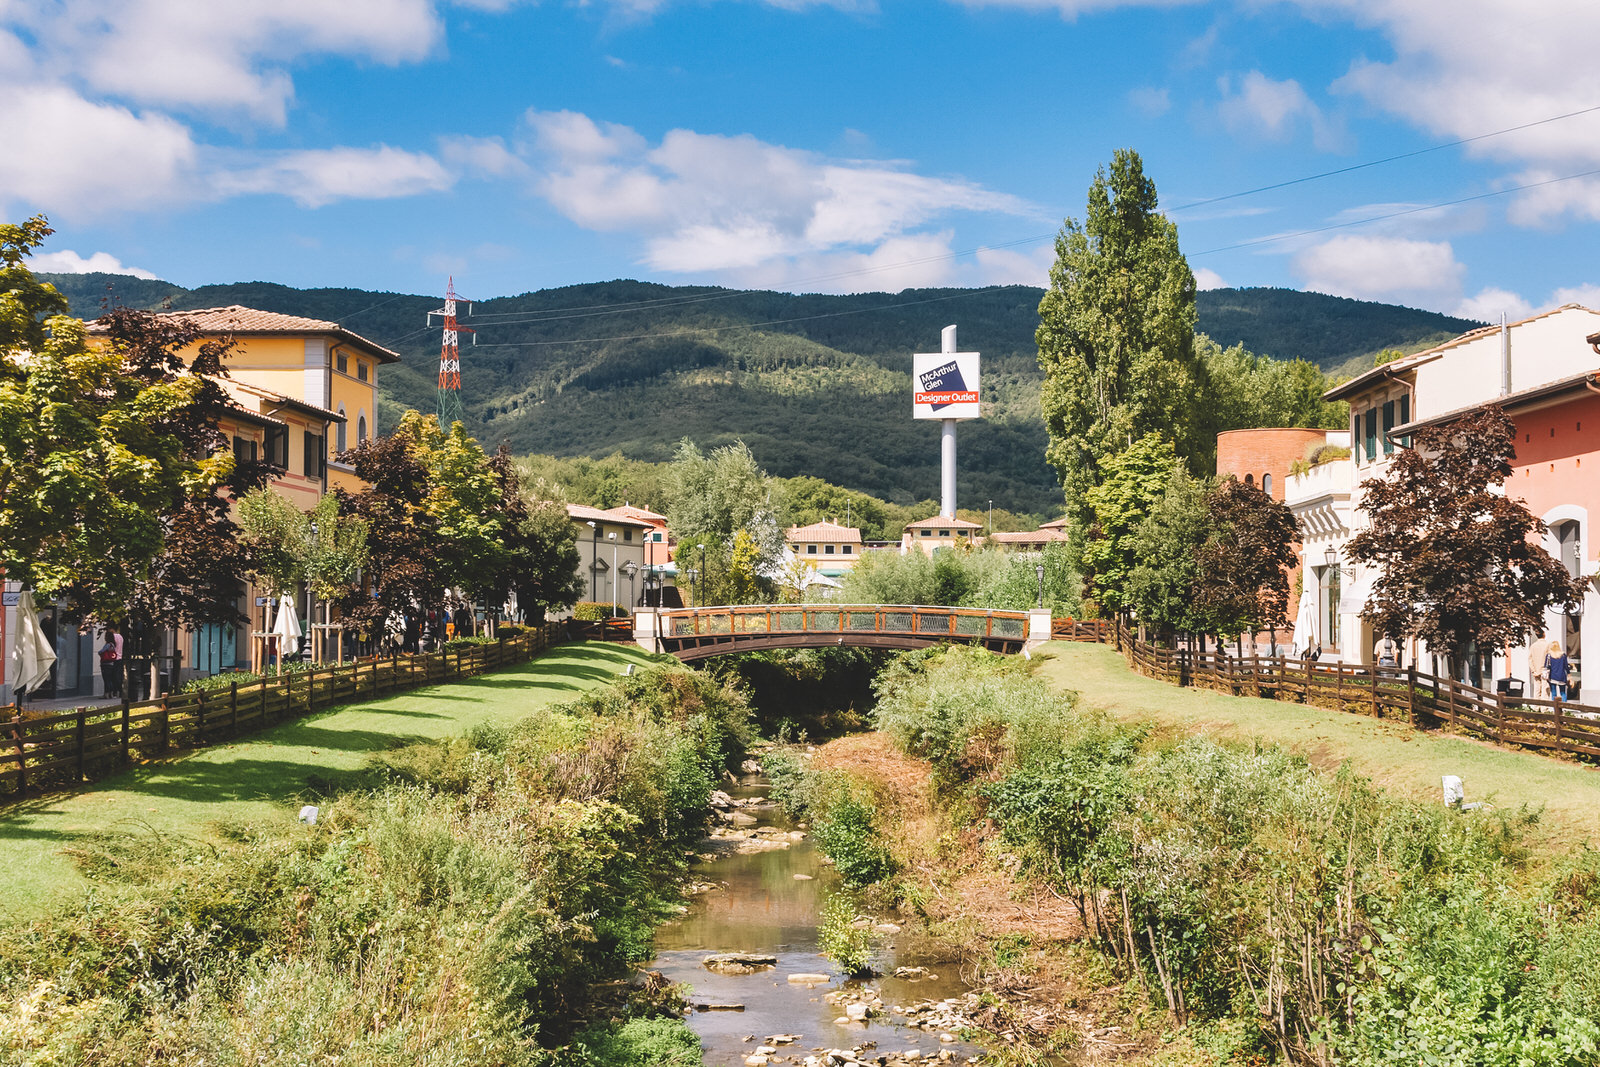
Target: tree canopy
1458, 560
1134, 481
1116, 334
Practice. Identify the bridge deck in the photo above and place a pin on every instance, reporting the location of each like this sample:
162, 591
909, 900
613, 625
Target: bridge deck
700, 632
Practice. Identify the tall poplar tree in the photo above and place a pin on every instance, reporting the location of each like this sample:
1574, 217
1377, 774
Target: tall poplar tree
1116, 334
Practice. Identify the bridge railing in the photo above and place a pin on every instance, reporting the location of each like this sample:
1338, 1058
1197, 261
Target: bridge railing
900, 619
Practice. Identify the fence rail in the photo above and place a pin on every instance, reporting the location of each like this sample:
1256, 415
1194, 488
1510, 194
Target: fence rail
713, 630
65, 750
1417, 697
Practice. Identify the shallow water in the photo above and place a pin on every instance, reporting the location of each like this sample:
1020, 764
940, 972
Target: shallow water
762, 907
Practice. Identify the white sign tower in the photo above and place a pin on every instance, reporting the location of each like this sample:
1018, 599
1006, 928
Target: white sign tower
945, 387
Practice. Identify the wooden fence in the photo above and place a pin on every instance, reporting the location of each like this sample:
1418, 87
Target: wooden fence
65, 750
1421, 699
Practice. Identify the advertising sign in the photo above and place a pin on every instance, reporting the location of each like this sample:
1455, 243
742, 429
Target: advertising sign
944, 385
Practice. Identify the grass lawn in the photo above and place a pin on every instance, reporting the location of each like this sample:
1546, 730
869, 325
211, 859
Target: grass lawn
1391, 753
258, 779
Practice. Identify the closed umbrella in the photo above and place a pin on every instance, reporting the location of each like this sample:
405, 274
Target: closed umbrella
287, 626
1305, 622
31, 660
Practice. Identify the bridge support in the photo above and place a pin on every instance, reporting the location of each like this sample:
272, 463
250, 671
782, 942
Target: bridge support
647, 629
1038, 628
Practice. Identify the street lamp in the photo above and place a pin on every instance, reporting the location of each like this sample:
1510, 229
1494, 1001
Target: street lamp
630, 568
1330, 556
612, 537
594, 558
652, 584
1039, 569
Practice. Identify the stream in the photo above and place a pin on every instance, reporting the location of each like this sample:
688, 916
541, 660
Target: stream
767, 903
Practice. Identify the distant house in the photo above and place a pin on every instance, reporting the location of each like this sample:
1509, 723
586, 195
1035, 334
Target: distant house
1025, 541
832, 548
941, 531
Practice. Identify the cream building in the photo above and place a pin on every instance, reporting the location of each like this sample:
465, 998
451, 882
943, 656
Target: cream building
831, 548
941, 531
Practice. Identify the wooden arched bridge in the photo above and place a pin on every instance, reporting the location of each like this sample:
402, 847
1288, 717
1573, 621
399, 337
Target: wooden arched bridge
696, 633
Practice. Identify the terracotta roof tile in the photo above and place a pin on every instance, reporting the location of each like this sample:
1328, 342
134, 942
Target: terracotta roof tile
237, 319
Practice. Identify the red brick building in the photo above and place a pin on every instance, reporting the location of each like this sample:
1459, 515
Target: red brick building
1262, 457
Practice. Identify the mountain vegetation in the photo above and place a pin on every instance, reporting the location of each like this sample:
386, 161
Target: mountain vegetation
816, 385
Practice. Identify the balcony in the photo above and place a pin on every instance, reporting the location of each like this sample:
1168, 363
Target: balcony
1320, 498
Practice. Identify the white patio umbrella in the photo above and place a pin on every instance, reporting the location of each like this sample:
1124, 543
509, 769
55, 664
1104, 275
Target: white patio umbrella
31, 659
1305, 622
287, 627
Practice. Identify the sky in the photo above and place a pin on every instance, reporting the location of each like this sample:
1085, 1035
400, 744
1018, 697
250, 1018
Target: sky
1442, 154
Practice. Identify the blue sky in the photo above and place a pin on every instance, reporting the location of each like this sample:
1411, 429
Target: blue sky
809, 146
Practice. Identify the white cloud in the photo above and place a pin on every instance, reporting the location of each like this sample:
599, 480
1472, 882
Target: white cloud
321, 176
1261, 107
67, 261
81, 158
1149, 101
1550, 201
708, 202
1587, 295
1004, 266
1205, 278
481, 155
1489, 304
1391, 269
228, 58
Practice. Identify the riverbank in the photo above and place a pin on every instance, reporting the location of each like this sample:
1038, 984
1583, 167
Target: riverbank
1393, 754
259, 781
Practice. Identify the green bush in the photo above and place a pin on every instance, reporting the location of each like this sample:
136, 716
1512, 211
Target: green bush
640, 1043
593, 611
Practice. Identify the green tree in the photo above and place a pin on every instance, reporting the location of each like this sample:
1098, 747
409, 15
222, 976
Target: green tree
1161, 587
541, 543
100, 445
1458, 560
1135, 480
277, 536
714, 498
1250, 390
1116, 334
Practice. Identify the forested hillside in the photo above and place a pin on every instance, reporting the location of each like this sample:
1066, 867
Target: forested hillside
816, 385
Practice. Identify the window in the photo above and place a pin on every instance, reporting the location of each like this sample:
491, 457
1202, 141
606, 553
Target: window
339, 433
277, 446
846, 550
1249, 479
315, 455
828, 550
1405, 418
656, 538
1388, 424
944, 533
925, 533
244, 450
361, 369
361, 428
811, 550
343, 363
627, 535
1372, 434
1266, 484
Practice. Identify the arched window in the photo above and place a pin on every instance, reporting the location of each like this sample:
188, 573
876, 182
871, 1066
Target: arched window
1266, 484
339, 434
361, 429
1249, 479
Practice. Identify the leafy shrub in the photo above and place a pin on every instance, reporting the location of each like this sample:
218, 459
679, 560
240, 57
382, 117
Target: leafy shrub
844, 939
594, 611
640, 1043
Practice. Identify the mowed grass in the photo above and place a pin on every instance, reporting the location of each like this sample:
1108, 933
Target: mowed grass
264, 778
1391, 753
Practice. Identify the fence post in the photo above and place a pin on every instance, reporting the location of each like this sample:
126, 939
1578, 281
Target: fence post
82, 739
1450, 687
1374, 673
233, 707
1499, 719
200, 718
166, 725
22, 749
1558, 723
126, 723
1411, 694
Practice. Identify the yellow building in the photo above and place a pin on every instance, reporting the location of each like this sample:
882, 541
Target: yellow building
941, 531
831, 548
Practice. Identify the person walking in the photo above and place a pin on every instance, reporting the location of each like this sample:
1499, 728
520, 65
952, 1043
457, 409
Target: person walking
1555, 669
111, 662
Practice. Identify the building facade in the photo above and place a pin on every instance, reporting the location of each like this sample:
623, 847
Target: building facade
831, 548
942, 531
611, 554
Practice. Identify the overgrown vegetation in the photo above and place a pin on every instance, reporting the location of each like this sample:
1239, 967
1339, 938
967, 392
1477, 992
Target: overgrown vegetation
975, 579
1285, 914
456, 912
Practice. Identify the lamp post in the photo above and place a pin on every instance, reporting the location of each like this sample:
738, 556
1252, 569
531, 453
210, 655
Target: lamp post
990, 530
1039, 570
612, 537
594, 572
631, 569
652, 584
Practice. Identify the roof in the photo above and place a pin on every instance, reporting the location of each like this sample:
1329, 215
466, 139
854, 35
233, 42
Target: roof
1388, 370
1058, 524
235, 386
1026, 537
630, 512
584, 513
237, 319
1523, 398
948, 522
825, 532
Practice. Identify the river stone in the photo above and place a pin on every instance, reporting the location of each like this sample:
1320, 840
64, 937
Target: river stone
755, 1060
738, 962
750, 766
913, 974
802, 877
809, 979
856, 1012
887, 928
720, 800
